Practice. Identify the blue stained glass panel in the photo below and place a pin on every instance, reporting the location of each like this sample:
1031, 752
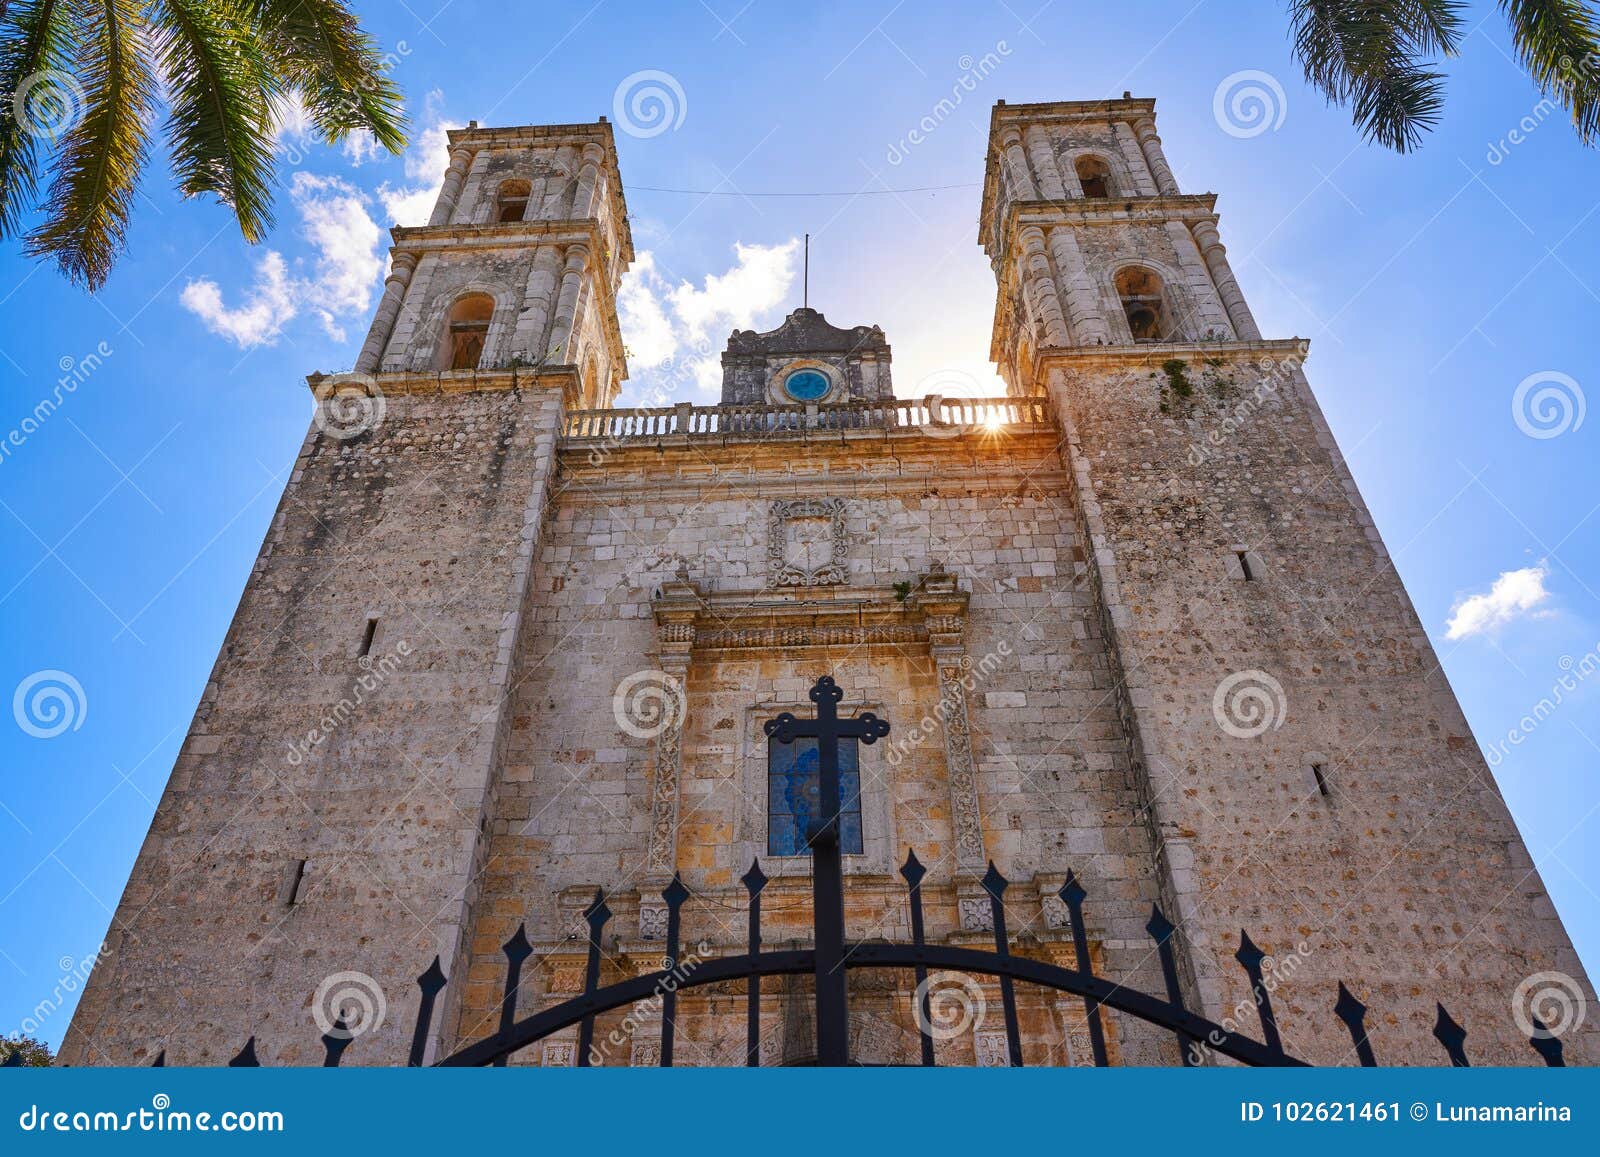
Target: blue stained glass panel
806, 386
794, 796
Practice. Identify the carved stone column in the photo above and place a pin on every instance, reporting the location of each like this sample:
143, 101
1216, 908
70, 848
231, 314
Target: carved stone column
1046, 171
566, 164
945, 609
1088, 321
450, 191
1216, 258
394, 295
1016, 166
1144, 129
675, 612
562, 332
1133, 156
528, 342
1042, 284
1210, 319
583, 202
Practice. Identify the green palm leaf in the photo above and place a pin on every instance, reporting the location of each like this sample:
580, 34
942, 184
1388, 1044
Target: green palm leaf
95, 174
319, 49
220, 125
1371, 55
35, 43
1558, 42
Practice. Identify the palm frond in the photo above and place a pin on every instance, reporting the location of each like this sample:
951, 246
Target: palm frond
95, 174
319, 49
1370, 55
35, 44
1558, 42
220, 124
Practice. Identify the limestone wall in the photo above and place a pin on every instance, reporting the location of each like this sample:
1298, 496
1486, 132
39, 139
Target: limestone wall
1054, 788
1407, 879
324, 813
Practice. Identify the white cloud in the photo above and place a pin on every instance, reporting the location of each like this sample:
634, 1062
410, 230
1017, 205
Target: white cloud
674, 331
643, 317
759, 281
425, 162
334, 219
1514, 594
360, 146
293, 134
268, 305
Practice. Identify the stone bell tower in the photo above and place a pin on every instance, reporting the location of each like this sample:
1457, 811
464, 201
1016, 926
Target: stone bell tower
1303, 763
518, 266
328, 814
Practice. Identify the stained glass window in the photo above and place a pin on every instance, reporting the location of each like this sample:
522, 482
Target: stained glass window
806, 385
793, 796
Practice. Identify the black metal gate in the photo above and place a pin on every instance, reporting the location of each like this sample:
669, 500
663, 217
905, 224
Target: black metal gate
831, 958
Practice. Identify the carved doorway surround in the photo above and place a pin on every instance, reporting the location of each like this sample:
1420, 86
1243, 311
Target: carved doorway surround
933, 613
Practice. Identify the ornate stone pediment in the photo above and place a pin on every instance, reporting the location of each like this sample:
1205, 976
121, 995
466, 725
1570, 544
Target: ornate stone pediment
807, 543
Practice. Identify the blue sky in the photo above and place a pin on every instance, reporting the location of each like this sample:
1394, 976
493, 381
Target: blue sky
1431, 286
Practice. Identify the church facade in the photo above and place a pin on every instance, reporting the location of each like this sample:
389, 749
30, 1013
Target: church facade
507, 644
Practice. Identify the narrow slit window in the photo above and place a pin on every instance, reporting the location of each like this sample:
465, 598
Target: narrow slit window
296, 882
1244, 566
367, 637
1322, 779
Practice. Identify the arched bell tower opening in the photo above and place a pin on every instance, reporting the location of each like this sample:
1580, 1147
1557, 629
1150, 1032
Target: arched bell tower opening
1143, 304
466, 330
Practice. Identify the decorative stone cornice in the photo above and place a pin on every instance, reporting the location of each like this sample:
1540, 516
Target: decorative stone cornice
1091, 211
556, 377
1150, 355
496, 234
744, 620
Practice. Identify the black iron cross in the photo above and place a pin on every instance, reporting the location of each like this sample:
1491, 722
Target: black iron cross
827, 866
